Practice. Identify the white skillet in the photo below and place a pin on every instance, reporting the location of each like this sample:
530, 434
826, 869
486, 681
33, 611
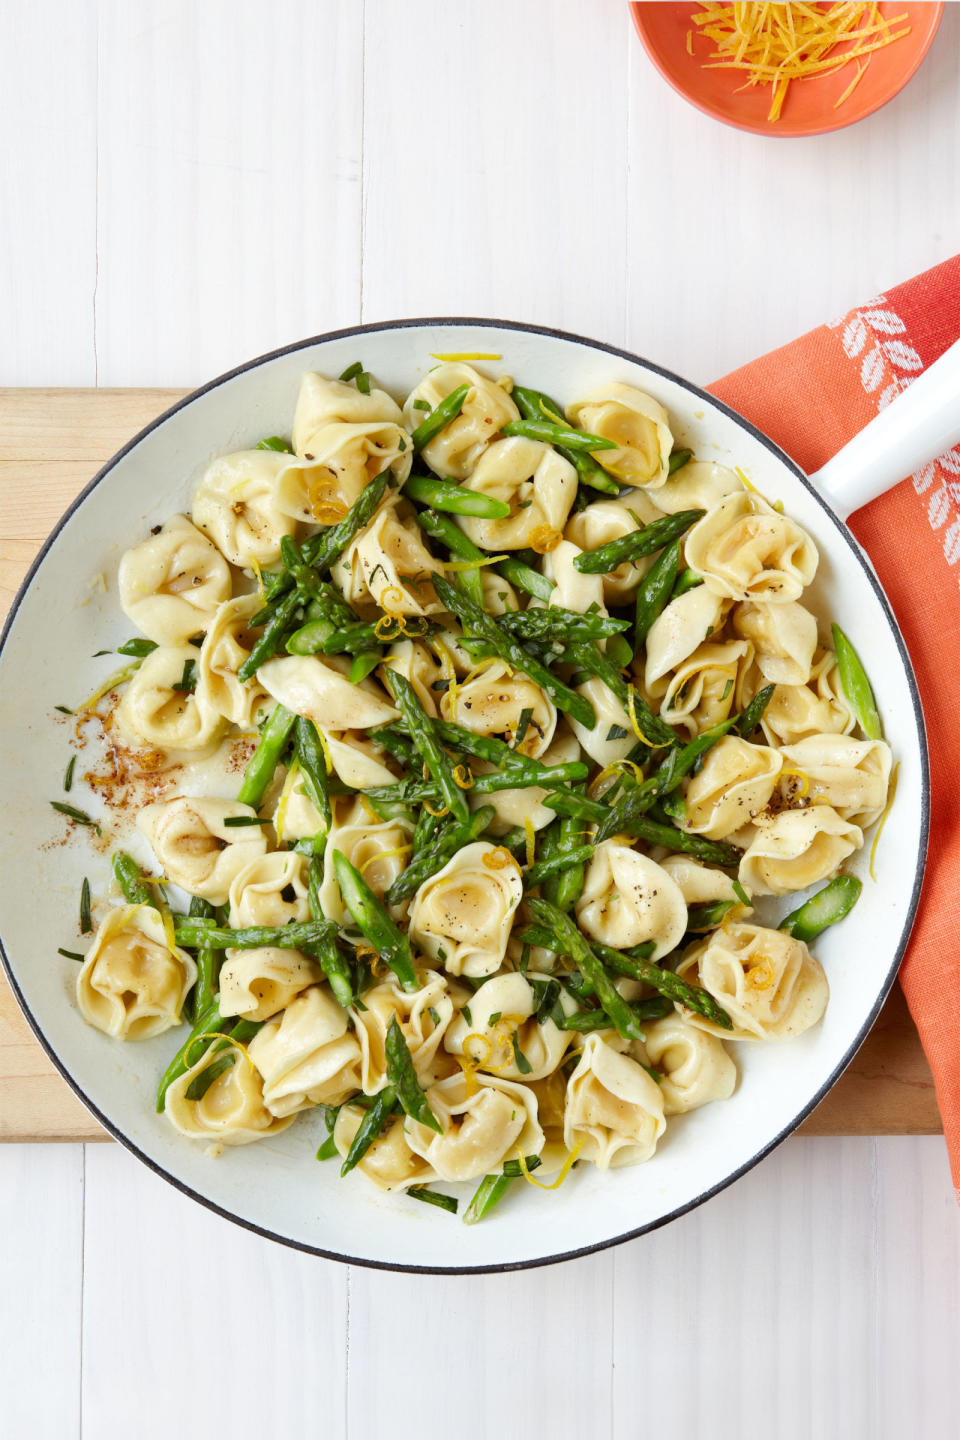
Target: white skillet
276, 1188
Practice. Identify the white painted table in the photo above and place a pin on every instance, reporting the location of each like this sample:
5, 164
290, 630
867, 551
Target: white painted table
186, 185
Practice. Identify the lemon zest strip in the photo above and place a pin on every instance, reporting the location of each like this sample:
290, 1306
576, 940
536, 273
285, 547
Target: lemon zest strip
564, 1172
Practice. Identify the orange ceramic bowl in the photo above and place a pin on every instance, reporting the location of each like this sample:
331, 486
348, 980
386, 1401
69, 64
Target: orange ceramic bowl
809, 106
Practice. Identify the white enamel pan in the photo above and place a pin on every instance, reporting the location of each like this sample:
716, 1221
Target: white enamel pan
276, 1188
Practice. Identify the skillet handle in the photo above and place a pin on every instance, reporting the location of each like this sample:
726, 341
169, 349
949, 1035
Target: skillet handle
920, 424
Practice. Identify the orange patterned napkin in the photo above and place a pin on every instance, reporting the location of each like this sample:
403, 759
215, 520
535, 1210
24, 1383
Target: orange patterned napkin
811, 397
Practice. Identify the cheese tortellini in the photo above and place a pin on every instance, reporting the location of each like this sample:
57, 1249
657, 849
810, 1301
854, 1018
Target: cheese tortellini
230, 1109
538, 485
256, 984
236, 505
449, 1007
733, 787
615, 1110
639, 427
481, 1125
171, 583
629, 899
320, 690
196, 849
746, 550
306, 1054
796, 848
227, 645
134, 980
767, 981
493, 702
694, 1066
462, 916
159, 709
389, 563
454, 452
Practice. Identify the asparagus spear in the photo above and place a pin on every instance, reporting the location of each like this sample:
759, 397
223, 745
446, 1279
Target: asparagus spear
825, 908
321, 550
135, 889
477, 622
753, 713
192, 933
265, 759
694, 997
424, 737
656, 588
492, 1188
652, 537
427, 862
454, 499
370, 1127
313, 768
272, 638
569, 941
403, 1078
534, 405
556, 863
678, 459
549, 433
373, 919
440, 417
555, 623
856, 686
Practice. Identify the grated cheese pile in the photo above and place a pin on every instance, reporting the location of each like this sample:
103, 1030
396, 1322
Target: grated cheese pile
776, 44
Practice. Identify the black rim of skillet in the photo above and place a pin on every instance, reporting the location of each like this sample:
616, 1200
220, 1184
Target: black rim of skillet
843, 535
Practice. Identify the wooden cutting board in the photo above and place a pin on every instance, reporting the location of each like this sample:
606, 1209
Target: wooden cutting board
51, 443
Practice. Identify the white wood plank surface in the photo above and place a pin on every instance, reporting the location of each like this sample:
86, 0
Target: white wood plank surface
229, 181
193, 1326
185, 186
48, 193
41, 1284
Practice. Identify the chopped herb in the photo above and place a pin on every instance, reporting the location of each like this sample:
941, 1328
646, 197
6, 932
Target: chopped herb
86, 920
466, 1013
433, 1197
654, 1074
68, 773
524, 504
235, 821
422, 405
494, 1017
70, 954
188, 680
401, 444
363, 382
523, 725
274, 442
726, 690
617, 732
519, 1059
352, 371
63, 709
97, 653
137, 648
441, 953
740, 893
434, 1015
440, 685
524, 957
328, 1149
72, 813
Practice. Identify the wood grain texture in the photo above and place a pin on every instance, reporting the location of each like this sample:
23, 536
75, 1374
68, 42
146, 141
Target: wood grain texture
51, 443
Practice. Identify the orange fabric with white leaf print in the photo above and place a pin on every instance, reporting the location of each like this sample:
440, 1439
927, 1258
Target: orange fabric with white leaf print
810, 397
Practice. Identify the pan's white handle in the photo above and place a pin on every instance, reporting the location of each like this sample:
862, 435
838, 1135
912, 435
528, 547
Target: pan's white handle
921, 423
